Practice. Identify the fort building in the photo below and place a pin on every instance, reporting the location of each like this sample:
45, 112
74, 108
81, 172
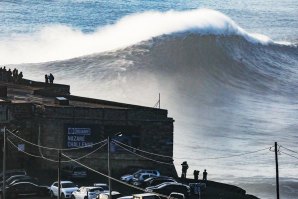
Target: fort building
37, 114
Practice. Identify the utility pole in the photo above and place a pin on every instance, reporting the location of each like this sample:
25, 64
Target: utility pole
4, 163
109, 169
276, 167
59, 174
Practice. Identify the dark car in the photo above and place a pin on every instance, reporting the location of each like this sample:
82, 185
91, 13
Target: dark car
11, 178
157, 180
168, 187
22, 179
22, 189
73, 172
13, 172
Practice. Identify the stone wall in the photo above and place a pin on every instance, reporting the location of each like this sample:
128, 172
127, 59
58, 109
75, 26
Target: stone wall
45, 125
155, 131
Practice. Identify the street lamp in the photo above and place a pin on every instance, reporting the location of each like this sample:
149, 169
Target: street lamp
109, 169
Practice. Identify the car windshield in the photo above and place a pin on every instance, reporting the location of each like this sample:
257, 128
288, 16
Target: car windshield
68, 185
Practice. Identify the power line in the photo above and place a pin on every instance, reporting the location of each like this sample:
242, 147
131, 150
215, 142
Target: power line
165, 156
144, 156
288, 149
289, 155
230, 156
51, 148
246, 153
51, 160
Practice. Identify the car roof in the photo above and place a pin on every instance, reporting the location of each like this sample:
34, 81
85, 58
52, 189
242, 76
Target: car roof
166, 183
15, 176
125, 197
172, 183
176, 193
113, 193
144, 194
24, 183
64, 181
100, 184
161, 178
91, 187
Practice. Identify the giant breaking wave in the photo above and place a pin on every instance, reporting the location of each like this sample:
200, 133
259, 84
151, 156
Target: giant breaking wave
58, 42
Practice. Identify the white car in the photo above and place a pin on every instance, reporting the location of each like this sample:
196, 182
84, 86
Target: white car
104, 186
105, 195
87, 193
67, 187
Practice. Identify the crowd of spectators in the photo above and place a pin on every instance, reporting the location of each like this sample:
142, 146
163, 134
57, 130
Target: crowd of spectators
10, 76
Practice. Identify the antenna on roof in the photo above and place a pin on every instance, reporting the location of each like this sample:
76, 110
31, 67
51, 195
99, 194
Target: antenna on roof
157, 104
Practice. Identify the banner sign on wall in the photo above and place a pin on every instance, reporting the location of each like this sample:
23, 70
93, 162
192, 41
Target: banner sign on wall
78, 137
81, 135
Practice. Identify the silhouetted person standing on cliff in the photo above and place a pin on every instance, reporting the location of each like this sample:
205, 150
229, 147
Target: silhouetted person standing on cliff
196, 174
184, 169
205, 176
20, 77
46, 78
51, 78
9, 74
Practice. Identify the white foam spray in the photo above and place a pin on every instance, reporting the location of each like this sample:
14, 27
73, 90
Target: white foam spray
57, 42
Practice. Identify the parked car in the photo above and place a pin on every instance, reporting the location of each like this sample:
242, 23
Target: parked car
105, 195
22, 179
22, 189
139, 178
104, 186
11, 178
153, 181
12, 172
67, 187
129, 177
175, 195
87, 193
73, 172
146, 196
126, 197
167, 188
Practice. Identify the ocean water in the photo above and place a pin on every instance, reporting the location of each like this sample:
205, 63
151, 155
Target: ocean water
227, 73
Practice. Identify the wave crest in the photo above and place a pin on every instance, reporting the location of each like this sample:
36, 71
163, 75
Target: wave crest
57, 42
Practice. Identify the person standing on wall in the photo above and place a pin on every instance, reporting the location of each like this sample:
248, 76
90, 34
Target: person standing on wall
46, 78
184, 169
196, 175
205, 176
51, 78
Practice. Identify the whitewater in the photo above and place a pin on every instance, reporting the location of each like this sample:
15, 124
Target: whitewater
227, 75
58, 42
